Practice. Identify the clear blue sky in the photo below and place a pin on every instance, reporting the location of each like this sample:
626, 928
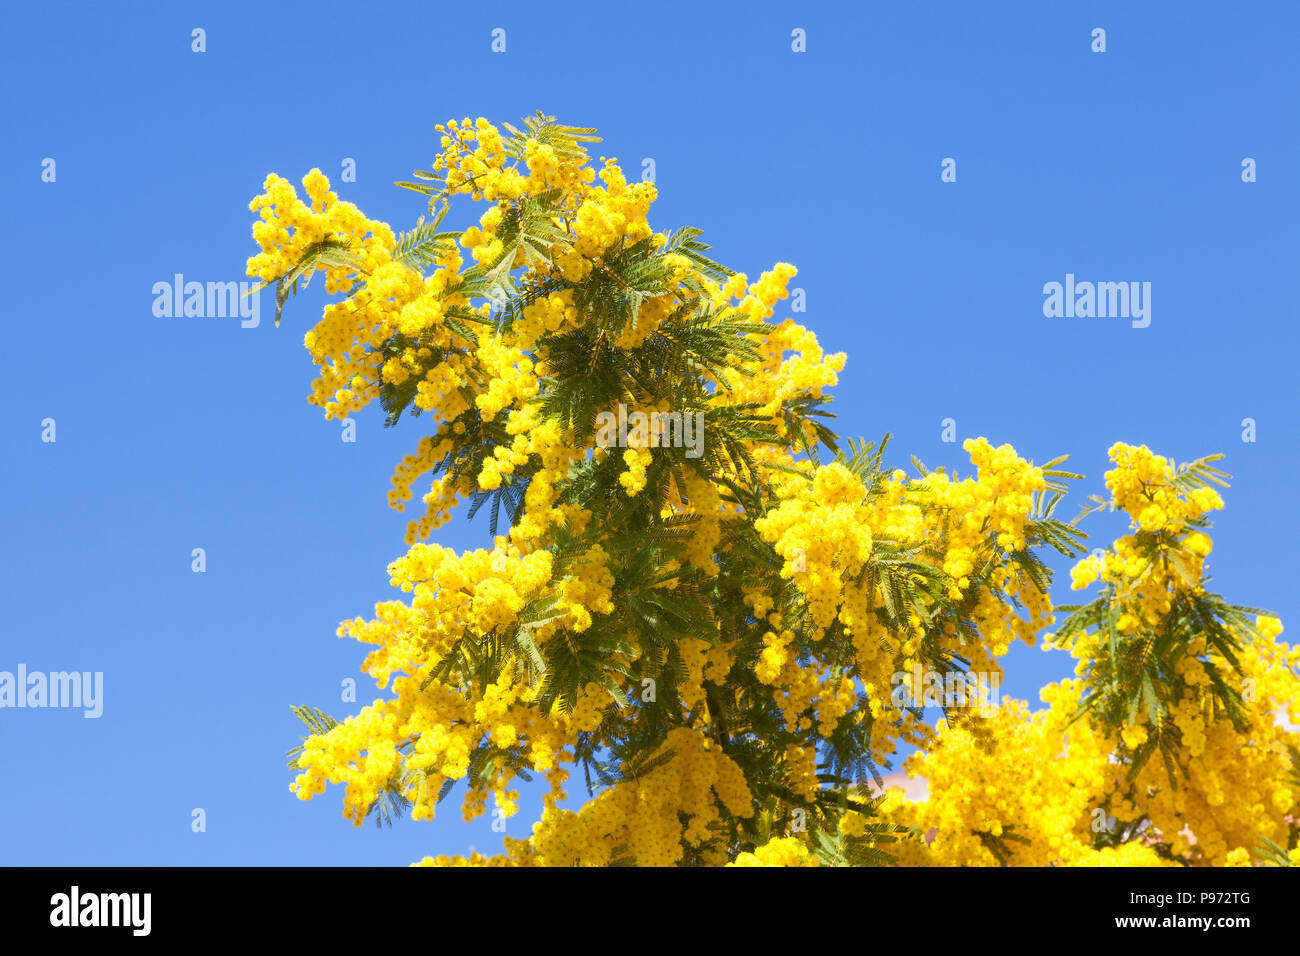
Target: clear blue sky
174, 434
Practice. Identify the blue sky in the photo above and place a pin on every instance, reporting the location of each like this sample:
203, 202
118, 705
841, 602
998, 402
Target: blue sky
180, 433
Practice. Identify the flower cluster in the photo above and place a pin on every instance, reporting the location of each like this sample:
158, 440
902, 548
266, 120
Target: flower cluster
730, 623
1219, 696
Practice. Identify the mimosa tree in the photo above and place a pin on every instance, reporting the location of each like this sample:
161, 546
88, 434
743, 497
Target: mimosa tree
701, 601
